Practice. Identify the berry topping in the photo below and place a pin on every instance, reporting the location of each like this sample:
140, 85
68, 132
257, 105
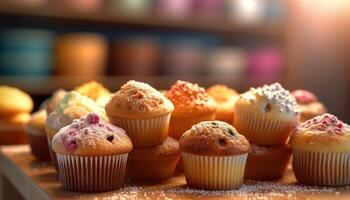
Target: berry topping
304, 96
93, 118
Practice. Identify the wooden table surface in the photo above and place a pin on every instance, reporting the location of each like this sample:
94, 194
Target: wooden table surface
38, 180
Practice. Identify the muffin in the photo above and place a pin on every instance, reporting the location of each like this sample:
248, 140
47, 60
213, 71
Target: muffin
72, 106
142, 111
51, 104
154, 163
266, 115
309, 105
225, 98
92, 155
272, 162
321, 151
37, 135
192, 105
214, 155
15, 108
95, 91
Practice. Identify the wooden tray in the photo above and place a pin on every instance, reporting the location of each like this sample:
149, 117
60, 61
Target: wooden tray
38, 180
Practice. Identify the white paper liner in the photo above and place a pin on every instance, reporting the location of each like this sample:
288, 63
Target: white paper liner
145, 132
179, 125
259, 129
92, 173
214, 172
323, 169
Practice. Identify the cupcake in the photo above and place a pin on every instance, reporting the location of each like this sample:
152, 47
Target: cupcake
37, 135
72, 106
154, 163
15, 108
92, 155
321, 151
51, 103
214, 156
266, 163
309, 105
95, 91
142, 111
225, 98
192, 105
266, 115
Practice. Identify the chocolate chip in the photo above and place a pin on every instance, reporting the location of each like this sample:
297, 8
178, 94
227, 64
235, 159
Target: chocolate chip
73, 142
110, 138
267, 108
230, 131
222, 141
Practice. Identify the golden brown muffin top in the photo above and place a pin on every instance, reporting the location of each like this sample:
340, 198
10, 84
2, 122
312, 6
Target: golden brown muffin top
170, 147
221, 93
137, 100
93, 90
190, 99
37, 121
91, 136
213, 138
14, 101
325, 133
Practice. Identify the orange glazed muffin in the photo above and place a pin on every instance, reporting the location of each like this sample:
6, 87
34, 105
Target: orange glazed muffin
225, 98
37, 135
266, 115
321, 151
92, 155
95, 91
142, 111
154, 163
267, 162
214, 155
309, 105
192, 105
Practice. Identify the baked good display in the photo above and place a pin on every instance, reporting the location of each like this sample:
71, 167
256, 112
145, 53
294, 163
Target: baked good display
72, 106
15, 108
95, 91
309, 105
154, 163
192, 105
266, 115
266, 163
35, 128
142, 111
92, 154
321, 151
214, 147
225, 98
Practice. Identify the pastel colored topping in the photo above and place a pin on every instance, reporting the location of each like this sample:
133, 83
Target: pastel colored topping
76, 105
325, 123
304, 96
183, 92
275, 94
140, 97
87, 132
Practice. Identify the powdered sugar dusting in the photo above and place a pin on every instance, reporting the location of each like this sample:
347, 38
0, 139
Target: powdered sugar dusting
275, 94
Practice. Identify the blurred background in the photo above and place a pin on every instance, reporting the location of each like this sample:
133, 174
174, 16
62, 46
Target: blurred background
50, 44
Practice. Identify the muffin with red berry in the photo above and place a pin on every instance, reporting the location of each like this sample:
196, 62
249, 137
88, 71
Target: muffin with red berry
142, 111
321, 151
309, 105
192, 105
92, 155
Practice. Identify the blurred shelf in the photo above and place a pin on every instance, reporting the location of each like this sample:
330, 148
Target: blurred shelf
56, 14
45, 85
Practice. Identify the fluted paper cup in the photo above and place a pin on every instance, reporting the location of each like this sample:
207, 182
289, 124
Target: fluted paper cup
322, 169
144, 132
259, 129
179, 125
214, 172
91, 173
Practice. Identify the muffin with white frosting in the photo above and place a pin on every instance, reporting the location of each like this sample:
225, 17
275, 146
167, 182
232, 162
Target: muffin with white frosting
266, 115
